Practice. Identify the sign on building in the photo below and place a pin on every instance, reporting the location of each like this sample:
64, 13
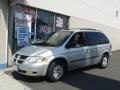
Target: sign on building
59, 22
22, 28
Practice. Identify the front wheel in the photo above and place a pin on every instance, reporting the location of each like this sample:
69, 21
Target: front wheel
104, 61
55, 71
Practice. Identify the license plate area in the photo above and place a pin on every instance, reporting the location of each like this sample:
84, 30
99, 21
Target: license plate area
15, 67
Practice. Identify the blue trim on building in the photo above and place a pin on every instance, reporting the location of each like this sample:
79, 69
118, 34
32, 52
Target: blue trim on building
2, 66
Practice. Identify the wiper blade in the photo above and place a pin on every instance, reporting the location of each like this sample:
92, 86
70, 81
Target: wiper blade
37, 44
49, 44
43, 44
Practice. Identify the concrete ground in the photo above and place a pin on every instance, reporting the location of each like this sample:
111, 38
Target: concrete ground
90, 78
8, 83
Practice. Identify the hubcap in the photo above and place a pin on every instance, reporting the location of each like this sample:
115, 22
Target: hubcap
105, 61
58, 71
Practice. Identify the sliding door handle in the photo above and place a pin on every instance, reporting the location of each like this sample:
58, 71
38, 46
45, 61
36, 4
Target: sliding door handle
89, 51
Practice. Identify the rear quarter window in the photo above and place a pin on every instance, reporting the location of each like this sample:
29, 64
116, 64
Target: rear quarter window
103, 39
96, 38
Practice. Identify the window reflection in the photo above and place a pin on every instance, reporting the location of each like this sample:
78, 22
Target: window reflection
61, 22
44, 24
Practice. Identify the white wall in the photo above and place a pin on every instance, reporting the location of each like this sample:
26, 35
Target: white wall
98, 11
3, 31
107, 7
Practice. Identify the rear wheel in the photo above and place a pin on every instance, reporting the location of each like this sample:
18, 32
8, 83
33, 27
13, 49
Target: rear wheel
55, 71
104, 61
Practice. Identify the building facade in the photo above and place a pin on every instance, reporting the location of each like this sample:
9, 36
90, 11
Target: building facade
4, 13
23, 22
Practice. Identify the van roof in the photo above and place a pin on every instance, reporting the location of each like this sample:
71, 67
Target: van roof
83, 30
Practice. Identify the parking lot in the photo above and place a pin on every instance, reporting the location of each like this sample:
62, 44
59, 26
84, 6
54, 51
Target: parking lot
90, 78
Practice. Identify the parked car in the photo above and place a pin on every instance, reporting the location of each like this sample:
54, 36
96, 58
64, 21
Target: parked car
64, 50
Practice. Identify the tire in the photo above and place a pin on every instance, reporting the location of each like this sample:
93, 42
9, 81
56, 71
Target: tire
104, 61
55, 71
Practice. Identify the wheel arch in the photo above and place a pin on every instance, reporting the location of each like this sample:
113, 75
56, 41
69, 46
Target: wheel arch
106, 53
60, 59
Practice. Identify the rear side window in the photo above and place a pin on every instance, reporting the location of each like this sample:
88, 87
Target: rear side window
96, 38
102, 38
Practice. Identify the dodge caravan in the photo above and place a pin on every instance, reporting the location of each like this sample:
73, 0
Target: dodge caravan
64, 50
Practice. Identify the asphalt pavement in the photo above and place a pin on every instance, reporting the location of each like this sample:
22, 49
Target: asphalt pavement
89, 78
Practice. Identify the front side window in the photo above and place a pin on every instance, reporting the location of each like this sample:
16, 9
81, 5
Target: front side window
78, 40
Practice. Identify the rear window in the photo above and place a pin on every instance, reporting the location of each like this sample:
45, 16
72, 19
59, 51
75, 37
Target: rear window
96, 38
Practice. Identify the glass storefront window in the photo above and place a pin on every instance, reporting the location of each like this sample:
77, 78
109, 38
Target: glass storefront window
61, 22
45, 21
34, 25
24, 26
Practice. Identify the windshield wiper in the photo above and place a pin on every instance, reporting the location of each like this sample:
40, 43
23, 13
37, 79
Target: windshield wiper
49, 44
43, 44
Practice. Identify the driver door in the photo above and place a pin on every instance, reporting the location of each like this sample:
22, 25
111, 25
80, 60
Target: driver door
77, 51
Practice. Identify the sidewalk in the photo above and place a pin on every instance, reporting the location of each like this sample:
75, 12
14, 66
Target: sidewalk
9, 83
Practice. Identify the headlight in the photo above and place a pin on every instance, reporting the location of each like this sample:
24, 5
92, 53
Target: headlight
37, 59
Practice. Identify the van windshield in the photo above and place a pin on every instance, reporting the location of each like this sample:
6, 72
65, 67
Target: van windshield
57, 39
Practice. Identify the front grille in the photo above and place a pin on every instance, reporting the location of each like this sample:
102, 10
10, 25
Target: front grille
23, 57
20, 58
20, 61
14, 60
16, 55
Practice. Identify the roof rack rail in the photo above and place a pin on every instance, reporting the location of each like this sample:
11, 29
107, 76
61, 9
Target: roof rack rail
86, 29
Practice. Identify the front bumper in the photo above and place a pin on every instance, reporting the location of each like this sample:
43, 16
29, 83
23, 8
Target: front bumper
35, 69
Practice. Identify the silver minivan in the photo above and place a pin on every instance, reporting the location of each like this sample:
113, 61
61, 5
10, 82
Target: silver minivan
64, 50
